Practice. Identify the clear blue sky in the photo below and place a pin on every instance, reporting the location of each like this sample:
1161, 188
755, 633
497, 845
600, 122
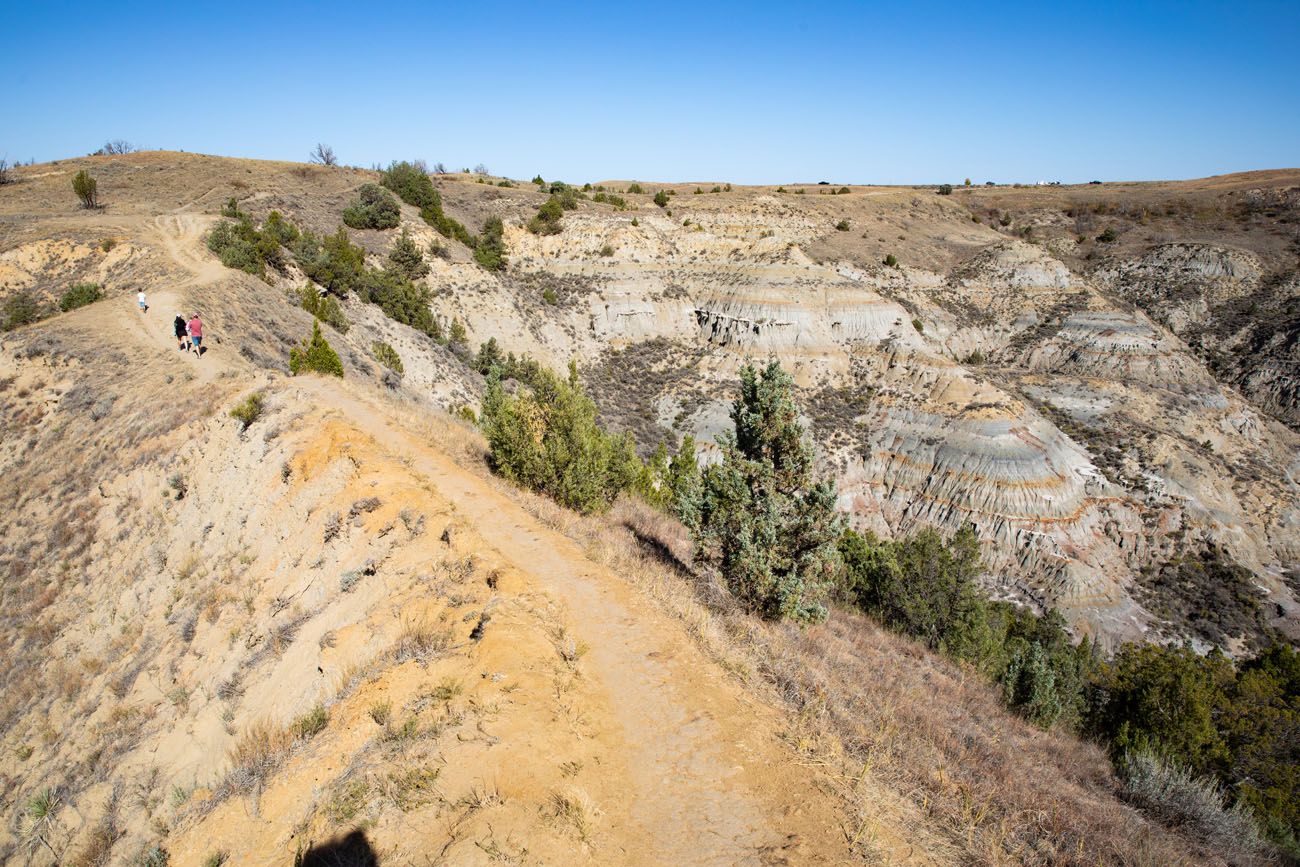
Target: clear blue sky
746, 92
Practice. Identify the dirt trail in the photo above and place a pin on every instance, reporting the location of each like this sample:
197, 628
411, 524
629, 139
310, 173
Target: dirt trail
180, 237
709, 782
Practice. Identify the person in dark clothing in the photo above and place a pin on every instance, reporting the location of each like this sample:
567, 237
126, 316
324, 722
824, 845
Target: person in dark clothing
182, 330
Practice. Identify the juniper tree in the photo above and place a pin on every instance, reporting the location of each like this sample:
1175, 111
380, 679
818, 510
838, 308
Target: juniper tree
86, 188
765, 522
315, 356
406, 258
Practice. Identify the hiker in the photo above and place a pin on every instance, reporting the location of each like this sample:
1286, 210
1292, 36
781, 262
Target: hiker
140, 299
196, 334
182, 330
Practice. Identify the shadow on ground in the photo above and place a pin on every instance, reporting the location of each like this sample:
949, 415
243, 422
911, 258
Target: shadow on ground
350, 850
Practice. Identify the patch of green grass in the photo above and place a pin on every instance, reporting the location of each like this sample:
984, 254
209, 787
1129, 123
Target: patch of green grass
311, 723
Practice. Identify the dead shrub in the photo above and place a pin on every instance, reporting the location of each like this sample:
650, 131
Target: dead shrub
419, 639
256, 755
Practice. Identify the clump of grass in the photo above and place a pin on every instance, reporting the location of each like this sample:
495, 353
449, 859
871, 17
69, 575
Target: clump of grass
255, 756
381, 712
152, 856
407, 731
311, 723
447, 689
575, 808
40, 820
347, 801
411, 788
842, 226
418, 639
249, 410
216, 859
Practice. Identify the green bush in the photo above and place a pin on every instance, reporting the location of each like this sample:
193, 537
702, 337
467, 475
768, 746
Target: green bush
1108, 236
374, 208
406, 257
456, 334
79, 295
21, 309
549, 216
387, 356
324, 307
891, 261
635, 189
549, 296
1029, 684
490, 251
411, 184
240, 245
235, 244
280, 229
315, 356
661, 199
618, 202
607, 250
333, 262
765, 523
918, 325
842, 226
399, 298
945, 189
489, 356
86, 188
545, 437
249, 410
919, 586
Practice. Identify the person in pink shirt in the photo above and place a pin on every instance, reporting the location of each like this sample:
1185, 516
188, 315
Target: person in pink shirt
195, 326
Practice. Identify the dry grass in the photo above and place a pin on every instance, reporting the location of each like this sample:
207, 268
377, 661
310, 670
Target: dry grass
419, 639
255, 756
573, 807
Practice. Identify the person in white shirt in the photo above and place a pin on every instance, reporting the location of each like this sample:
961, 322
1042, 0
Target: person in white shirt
140, 299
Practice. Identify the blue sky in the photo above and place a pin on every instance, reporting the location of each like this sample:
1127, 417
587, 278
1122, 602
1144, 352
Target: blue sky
743, 92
